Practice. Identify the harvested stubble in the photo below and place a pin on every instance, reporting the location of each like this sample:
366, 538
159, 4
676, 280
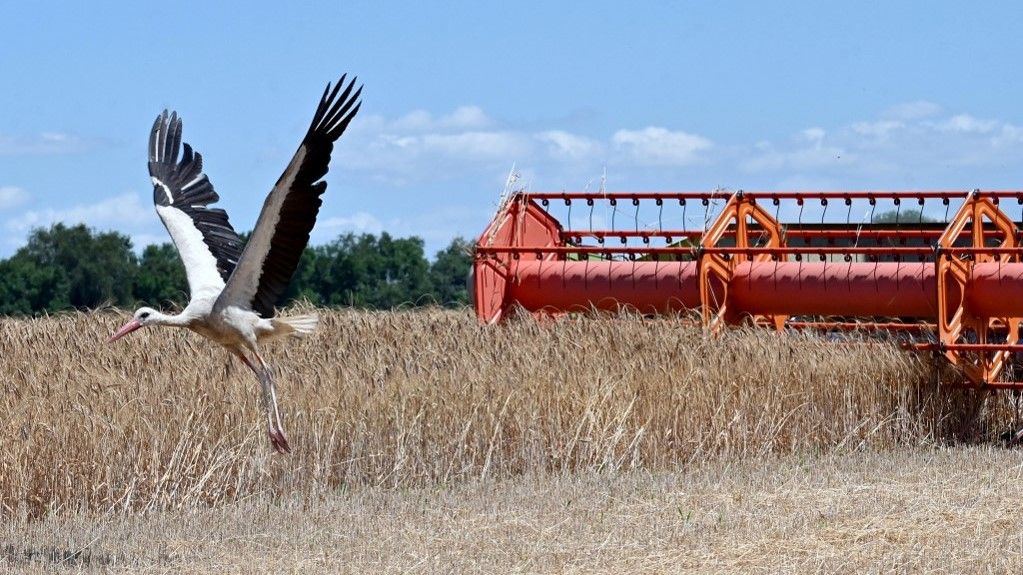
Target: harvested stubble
916, 510
163, 419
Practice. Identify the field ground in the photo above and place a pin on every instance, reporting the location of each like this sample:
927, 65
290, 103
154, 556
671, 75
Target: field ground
949, 510
424, 442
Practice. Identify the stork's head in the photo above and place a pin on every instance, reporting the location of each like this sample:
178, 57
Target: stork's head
143, 316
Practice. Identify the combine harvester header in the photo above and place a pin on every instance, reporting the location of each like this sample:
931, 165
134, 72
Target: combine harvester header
943, 266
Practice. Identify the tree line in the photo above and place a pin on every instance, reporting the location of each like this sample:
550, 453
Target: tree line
73, 267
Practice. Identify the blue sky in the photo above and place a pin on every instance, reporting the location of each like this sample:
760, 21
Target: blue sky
691, 96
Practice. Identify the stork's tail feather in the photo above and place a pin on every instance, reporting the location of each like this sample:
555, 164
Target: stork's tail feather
298, 325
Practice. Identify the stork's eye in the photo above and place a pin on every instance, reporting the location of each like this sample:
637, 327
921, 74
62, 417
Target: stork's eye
144, 315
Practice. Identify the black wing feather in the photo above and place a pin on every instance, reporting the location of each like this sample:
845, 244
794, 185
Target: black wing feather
302, 203
191, 191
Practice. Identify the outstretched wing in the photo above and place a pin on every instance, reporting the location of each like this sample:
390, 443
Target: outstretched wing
289, 212
206, 242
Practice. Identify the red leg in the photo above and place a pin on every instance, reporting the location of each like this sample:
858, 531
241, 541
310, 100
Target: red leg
275, 429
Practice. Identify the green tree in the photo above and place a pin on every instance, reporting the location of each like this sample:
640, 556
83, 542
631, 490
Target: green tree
27, 288
161, 277
449, 273
305, 283
73, 267
377, 273
67, 267
364, 271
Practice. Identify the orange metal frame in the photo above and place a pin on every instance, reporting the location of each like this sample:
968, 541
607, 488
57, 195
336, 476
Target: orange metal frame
965, 292
956, 318
717, 270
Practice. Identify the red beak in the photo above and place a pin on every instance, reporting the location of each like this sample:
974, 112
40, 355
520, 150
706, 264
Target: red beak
125, 330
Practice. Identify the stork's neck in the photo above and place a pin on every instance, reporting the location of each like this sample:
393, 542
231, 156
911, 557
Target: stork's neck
182, 319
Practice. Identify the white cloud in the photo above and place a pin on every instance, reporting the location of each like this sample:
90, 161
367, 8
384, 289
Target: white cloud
910, 144
421, 147
563, 145
124, 212
912, 110
656, 146
438, 224
473, 145
400, 157
966, 123
913, 144
461, 118
415, 120
813, 135
465, 117
12, 197
43, 144
1008, 135
360, 222
814, 157
880, 129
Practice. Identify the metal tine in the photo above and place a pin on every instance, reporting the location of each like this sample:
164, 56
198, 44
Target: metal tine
635, 217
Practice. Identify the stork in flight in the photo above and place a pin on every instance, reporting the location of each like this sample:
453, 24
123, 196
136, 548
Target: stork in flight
234, 284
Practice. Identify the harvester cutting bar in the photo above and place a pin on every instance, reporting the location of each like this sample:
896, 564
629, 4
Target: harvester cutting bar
779, 195
969, 347
950, 272
791, 233
516, 251
694, 251
862, 326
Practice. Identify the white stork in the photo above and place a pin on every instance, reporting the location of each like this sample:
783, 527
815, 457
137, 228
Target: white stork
234, 284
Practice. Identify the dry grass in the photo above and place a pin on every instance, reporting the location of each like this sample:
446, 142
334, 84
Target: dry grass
163, 420
908, 510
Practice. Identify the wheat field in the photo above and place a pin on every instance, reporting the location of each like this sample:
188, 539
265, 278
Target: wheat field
400, 402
